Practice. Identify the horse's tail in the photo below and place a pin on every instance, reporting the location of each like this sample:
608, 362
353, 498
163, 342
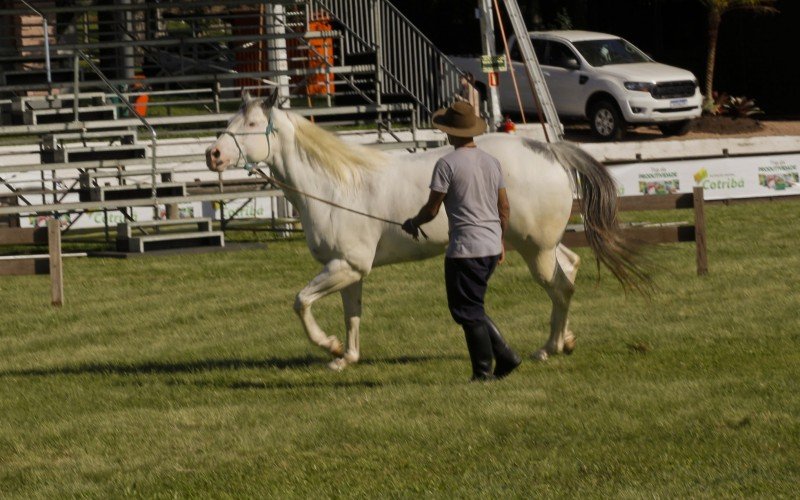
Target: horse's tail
598, 202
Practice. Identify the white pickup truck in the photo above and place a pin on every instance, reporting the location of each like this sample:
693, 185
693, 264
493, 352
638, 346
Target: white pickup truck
603, 79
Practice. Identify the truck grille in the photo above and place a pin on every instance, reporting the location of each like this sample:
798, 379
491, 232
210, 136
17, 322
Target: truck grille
673, 90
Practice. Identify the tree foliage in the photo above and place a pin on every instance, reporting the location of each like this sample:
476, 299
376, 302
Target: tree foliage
716, 9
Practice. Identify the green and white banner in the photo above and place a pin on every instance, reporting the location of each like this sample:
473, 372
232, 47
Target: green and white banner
722, 178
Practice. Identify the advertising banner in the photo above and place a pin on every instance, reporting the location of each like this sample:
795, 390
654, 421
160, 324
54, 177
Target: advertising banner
722, 178
99, 218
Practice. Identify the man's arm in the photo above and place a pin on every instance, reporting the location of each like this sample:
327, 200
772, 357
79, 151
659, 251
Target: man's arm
429, 211
426, 214
504, 209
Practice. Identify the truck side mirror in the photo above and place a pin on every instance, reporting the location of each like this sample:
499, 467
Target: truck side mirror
572, 64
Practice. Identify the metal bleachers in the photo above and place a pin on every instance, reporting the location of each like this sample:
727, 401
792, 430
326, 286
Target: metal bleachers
106, 89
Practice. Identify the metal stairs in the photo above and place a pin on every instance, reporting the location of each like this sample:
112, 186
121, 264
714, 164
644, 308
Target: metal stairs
409, 66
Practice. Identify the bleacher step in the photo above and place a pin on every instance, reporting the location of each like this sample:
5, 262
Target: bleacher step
201, 235
131, 191
141, 244
92, 153
63, 115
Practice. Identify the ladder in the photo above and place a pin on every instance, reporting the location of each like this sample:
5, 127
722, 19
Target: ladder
555, 131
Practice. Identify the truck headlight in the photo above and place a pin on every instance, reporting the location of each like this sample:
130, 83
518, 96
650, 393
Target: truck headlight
639, 86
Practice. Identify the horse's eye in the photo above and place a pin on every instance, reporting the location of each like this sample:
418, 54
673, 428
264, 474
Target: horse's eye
252, 124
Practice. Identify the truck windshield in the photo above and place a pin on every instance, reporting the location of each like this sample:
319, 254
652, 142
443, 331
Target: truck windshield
614, 51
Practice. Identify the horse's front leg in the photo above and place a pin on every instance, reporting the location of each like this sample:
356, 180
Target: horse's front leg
351, 302
336, 275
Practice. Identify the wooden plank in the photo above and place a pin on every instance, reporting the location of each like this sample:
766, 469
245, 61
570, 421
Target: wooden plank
56, 268
644, 235
700, 231
648, 202
24, 267
655, 202
761, 199
23, 236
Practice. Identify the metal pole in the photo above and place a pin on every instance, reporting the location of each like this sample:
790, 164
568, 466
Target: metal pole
47, 52
75, 85
487, 42
376, 24
276, 49
124, 28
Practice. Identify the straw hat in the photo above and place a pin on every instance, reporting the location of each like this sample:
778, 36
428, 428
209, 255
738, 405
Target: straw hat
459, 120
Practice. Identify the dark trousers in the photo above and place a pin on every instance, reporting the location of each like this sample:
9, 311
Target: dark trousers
466, 280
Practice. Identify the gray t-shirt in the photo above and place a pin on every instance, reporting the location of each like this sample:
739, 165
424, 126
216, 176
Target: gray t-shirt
470, 178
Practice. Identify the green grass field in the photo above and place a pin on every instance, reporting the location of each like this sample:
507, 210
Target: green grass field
190, 376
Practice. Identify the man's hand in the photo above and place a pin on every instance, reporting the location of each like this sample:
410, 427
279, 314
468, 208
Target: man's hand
502, 254
411, 228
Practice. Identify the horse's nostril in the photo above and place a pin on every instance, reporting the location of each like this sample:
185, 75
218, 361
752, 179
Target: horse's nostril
216, 154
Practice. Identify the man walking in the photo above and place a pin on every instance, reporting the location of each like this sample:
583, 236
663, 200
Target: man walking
470, 184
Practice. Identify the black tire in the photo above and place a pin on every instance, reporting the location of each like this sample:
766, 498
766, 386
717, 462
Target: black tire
606, 121
675, 128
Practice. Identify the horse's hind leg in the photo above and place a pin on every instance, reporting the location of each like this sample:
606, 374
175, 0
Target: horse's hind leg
569, 262
546, 269
335, 276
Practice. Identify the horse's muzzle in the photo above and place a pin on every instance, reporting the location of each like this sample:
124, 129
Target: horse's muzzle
214, 160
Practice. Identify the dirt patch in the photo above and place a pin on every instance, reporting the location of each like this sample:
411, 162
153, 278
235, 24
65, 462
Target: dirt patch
725, 125
582, 133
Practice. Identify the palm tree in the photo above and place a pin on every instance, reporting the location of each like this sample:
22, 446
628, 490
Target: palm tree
716, 9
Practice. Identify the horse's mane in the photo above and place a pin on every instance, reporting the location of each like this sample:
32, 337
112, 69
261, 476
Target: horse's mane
344, 162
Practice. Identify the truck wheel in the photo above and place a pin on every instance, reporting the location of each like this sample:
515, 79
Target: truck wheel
606, 121
675, 128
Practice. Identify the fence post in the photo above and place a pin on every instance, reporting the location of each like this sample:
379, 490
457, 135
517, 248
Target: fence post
700, 230
56, 268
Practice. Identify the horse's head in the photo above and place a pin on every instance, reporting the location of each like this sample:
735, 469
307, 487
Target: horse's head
247, 136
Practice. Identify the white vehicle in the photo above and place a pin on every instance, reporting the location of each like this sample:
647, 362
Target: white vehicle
603, 79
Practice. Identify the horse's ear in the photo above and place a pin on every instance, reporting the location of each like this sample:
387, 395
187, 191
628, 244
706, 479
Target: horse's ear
246, 96
270, 101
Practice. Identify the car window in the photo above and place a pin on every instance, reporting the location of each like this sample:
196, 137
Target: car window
516, 54
559, 54
538, 48
614, 51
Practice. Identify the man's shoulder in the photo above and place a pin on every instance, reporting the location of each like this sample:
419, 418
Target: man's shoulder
488, 156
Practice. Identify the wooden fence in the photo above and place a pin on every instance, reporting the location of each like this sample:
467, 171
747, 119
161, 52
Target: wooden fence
51, 263
659, 233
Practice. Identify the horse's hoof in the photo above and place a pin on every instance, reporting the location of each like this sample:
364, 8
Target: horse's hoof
541, 355
338, 364
336, 348
351, 357
569, 345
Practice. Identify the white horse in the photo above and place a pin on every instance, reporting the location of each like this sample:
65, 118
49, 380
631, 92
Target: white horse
314, 162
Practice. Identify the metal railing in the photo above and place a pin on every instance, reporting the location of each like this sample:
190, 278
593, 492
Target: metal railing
127, 103
206, 46
409, 63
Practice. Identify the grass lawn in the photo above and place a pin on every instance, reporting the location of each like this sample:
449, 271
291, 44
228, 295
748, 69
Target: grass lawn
190, 376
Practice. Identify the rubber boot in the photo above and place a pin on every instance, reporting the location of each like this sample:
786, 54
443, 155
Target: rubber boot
480, 350
506, 359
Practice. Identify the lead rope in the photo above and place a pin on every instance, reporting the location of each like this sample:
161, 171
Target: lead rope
252, 169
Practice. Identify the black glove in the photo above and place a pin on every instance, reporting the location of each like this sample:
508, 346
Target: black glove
411, 228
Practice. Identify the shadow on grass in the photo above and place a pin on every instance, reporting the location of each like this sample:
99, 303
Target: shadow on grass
233, 364
281, 384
